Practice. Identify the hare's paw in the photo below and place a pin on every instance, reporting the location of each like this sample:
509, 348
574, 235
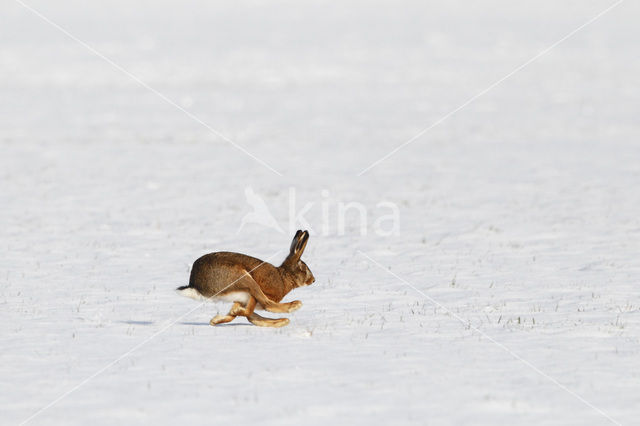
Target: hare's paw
280, 322
294, 306
219, 319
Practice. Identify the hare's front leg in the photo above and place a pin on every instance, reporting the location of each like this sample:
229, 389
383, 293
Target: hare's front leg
286, 307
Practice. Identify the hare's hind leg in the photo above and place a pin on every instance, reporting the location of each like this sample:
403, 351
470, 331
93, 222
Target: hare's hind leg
237, 310
248, 311
254, 289
267, 322
243, 311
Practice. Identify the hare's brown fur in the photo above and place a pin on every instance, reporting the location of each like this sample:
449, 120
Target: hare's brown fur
250, 283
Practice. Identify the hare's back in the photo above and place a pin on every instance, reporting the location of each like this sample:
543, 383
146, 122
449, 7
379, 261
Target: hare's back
227, 258
213, 272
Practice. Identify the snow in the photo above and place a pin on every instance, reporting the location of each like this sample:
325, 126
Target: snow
518, 214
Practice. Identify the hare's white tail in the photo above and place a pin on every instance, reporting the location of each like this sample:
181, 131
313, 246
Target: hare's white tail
190, 292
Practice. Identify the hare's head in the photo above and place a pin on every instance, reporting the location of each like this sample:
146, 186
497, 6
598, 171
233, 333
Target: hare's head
294, 265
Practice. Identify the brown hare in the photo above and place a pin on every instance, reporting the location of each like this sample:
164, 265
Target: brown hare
250, 283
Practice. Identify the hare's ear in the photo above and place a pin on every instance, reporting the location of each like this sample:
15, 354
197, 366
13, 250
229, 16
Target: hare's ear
298, 244
294, 243
302, 243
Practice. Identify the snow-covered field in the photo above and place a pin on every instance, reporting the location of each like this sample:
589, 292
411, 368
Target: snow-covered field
509, 295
